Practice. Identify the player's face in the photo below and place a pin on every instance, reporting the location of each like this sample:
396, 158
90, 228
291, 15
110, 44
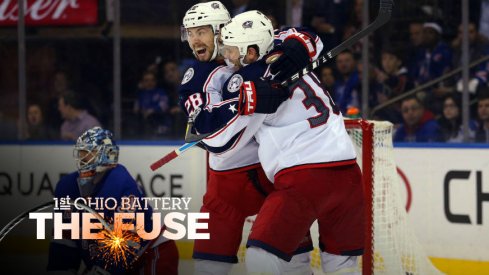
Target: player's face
201, 41
84, 157
450, 109
231, 54
412, 112
483, 109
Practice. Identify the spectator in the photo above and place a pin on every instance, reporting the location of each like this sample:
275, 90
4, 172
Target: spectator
436, 60
327, 78
326, 17
59, 86
415, 49
482, 134
451, 129
346, 87
152, 107
76, 119
478, 48
393, 80
419, 125
171, 81
437, 56
354, 25
36, 128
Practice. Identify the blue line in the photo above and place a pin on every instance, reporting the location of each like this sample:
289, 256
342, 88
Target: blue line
72, 143
441, 145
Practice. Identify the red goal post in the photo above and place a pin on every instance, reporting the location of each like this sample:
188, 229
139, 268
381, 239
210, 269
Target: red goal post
391, 246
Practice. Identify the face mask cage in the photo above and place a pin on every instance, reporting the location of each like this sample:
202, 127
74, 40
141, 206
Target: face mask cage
87, 157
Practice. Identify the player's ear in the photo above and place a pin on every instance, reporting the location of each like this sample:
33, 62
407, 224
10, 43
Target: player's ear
252, 54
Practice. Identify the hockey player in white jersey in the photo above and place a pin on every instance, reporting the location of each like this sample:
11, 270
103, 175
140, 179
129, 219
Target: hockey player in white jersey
237, 185
304, 149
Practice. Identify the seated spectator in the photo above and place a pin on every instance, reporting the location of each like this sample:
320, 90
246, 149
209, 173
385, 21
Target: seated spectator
435, 61
451, 129
152, 106
326, 75
76, 119
171, 81
393, 80
414, 48
346, 88
478, 48
418, 123
61, 83
36, 128
482, 134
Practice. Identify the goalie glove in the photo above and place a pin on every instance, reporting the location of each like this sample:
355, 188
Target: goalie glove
297, 52
261, 97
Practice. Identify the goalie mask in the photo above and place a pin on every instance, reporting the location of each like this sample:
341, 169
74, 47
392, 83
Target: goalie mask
212, 14
244, 30
95, 152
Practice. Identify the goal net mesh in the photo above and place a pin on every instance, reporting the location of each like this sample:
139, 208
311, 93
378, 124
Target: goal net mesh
392, 247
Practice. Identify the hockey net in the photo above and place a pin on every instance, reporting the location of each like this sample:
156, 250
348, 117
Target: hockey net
391, 245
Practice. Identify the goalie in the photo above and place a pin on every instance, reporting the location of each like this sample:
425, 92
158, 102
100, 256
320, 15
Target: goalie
100, 175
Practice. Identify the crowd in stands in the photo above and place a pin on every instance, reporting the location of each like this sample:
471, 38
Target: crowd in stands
422, 51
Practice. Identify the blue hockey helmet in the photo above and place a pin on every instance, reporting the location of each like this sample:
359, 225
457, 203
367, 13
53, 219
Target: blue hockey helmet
95, 150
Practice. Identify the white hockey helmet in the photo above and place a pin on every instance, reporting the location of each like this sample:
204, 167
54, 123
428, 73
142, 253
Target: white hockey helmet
247, 29
212, 13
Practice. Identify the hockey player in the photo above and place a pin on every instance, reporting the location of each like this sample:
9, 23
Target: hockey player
237, 185
304, 149
100, 175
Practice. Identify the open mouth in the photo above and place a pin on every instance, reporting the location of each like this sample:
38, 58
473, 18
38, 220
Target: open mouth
201, 51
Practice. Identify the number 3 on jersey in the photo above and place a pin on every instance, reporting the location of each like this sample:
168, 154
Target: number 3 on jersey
193, 102
313, 100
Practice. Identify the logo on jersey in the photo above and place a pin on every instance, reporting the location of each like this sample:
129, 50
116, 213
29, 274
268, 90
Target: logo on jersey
247, 24
188, 75
235, 83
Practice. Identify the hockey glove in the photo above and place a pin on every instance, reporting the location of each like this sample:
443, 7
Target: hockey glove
261, 97
297, 52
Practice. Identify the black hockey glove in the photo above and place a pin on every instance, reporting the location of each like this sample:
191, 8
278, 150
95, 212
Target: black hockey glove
297, 51
261, 96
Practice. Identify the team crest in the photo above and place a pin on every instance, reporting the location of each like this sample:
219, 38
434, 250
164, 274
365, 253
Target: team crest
247, 24
215, 5
235, 83
188, 75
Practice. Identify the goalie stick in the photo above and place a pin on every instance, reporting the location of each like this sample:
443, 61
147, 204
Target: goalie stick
15, 221
384, 15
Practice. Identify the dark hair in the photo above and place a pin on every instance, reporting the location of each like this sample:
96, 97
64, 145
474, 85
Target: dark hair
413, 97
483, 93
457, 99
74, 100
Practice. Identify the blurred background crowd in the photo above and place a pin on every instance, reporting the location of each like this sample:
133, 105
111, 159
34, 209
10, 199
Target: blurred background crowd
69, 69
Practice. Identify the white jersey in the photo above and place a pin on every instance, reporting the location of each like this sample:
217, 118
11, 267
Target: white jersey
307, 131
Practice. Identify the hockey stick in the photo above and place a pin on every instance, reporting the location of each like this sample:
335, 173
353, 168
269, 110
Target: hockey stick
14, 222
384, 15
175, 153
